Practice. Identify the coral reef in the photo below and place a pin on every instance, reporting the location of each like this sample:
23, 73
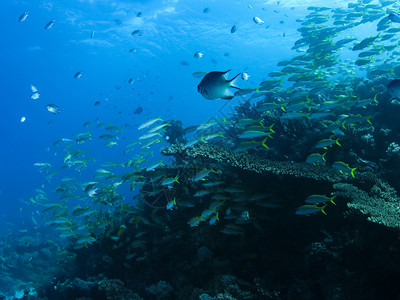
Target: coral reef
93, 288
159, 291
230, 217
253, 163
380, 202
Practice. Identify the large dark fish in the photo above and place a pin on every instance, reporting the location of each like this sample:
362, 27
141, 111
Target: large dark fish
214, 85
394, 88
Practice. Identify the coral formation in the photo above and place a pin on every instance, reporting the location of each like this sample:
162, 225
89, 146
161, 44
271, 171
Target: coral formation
161, 290
379, 201
253, 163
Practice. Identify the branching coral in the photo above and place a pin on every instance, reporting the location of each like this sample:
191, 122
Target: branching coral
381, 202
371, 196
255, 164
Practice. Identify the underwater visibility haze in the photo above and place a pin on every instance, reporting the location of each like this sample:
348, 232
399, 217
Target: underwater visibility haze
180, 149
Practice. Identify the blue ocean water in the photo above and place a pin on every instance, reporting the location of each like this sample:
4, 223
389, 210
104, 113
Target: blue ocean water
172, 32
286, 191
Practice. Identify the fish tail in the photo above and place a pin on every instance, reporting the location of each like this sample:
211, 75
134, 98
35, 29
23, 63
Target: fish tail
323, 157
337, 142
270, 128
234, 78
263, 143
352, 172
231, 82
332, 199
322, 209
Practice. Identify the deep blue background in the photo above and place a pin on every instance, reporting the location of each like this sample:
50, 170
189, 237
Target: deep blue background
172, 32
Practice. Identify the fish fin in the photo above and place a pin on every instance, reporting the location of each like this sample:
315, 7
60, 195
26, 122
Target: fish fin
233, 78
227, 71
263, 143
352, 172
322, 209
227, 97
231, 82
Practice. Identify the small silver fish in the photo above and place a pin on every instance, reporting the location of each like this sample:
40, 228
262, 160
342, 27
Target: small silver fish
24, 15
245, 76
53, 108
198, 55
257, 20
78, 75
50, 24
35, 95
92, 34
214, 85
